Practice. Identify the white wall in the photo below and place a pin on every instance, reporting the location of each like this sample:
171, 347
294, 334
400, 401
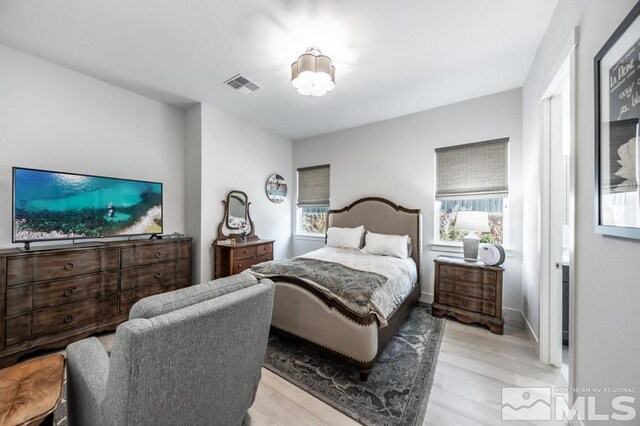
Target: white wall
394, 159
55, 118
606, 269
236, 155
193, 186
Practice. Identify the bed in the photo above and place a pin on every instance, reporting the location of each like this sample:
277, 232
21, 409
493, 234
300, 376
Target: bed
309, 311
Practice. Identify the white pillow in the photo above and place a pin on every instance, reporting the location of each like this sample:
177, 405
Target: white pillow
387, 245
345, 237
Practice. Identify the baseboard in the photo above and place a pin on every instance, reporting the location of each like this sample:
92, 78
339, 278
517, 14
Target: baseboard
426, 297
514, 318
532, 337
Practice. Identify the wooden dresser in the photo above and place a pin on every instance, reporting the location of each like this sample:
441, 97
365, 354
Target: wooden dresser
49, 299
469, 291
235, 258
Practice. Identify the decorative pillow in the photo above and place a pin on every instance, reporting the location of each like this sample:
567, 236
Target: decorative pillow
345, 237
387, 245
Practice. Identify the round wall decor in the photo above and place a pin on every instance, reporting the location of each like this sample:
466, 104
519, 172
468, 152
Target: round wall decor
276, 188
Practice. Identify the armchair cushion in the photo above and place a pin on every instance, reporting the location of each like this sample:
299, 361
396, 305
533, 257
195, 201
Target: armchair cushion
161, 304
87, 372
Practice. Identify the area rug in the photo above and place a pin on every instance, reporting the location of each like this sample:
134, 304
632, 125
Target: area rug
398, 387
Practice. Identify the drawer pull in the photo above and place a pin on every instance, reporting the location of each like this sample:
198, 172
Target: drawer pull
239, 265
158, 254
265, 248
157, 274
464, 303
466, 275
244, 251
69, 318
68, 266
69, 292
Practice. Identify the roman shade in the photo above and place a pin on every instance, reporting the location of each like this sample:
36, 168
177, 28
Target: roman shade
313, 186
476, 170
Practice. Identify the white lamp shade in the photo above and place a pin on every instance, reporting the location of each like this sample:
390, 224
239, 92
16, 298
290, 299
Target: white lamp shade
472, 221
313, 74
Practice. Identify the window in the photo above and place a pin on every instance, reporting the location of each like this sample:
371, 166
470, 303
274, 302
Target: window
313, 200
472, 177
447, 210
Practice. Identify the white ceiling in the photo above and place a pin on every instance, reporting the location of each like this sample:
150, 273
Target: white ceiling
392, 57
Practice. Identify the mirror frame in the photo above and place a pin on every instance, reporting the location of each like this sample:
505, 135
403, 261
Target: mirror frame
223, 223
228, 207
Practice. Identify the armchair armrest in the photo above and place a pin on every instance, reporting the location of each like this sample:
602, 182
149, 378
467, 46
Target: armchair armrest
87, 372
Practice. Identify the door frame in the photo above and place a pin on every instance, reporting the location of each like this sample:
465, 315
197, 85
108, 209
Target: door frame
550, 313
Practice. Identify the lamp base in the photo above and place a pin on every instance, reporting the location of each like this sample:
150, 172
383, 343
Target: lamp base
470, 248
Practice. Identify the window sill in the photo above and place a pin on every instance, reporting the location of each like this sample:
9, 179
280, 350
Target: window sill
309, 237
445, 247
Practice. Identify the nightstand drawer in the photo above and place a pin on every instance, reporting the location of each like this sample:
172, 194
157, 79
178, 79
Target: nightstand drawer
486, 292
468, 274
467, 303
461, 302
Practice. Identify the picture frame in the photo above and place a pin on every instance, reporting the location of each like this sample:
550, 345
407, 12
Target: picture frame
617, 131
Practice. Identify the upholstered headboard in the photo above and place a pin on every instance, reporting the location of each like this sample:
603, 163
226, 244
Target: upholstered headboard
383, 217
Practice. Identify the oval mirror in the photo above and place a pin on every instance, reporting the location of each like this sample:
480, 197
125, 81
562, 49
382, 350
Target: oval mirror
276, 188
237, 213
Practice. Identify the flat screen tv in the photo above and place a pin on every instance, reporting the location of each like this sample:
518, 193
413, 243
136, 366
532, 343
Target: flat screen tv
50, 205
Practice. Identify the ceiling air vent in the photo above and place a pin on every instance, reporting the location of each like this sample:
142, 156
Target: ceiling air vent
242, 84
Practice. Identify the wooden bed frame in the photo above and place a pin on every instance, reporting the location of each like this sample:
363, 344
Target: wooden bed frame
318, 311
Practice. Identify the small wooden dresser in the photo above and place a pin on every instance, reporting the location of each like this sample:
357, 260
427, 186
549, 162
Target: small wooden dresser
235, 258
469, 291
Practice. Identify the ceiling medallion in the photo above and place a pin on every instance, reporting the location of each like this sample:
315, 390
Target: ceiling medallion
313, 74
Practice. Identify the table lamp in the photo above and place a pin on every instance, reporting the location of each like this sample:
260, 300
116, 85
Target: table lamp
473, 222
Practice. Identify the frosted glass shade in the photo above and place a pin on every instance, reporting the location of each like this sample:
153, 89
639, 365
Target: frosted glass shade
472, 221
313, 74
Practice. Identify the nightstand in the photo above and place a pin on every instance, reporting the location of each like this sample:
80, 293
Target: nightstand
234, 258
469, 291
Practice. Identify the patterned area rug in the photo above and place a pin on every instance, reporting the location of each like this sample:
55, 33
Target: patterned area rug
397, 390
60, 415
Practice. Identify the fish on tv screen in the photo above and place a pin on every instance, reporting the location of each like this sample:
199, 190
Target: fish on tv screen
55, 205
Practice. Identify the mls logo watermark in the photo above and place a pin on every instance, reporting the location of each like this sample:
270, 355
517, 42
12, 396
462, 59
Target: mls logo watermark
526, 404
552, 404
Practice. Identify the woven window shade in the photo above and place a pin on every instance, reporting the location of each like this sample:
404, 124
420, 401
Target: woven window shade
475, 170
313, 186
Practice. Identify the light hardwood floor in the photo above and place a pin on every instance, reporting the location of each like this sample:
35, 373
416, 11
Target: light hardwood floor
473, 366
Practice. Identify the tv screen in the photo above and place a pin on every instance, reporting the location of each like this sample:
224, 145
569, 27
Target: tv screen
51, 205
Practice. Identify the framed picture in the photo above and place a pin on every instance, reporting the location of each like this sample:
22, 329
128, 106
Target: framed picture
617, 107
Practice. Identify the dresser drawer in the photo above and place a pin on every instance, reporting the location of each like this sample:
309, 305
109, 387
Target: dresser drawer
65, 317
468, 274
244, 264
54, 266
154, 253
244, 252
486, 292
55, 320
44, 295
154, 274
18, 329
130, 297
264, 249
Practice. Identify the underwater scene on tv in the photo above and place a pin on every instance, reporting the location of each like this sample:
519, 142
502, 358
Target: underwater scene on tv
53, 205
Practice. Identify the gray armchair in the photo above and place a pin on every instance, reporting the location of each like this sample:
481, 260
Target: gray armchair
188, 357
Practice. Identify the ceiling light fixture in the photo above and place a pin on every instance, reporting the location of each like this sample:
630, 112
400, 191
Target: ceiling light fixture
313, 74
